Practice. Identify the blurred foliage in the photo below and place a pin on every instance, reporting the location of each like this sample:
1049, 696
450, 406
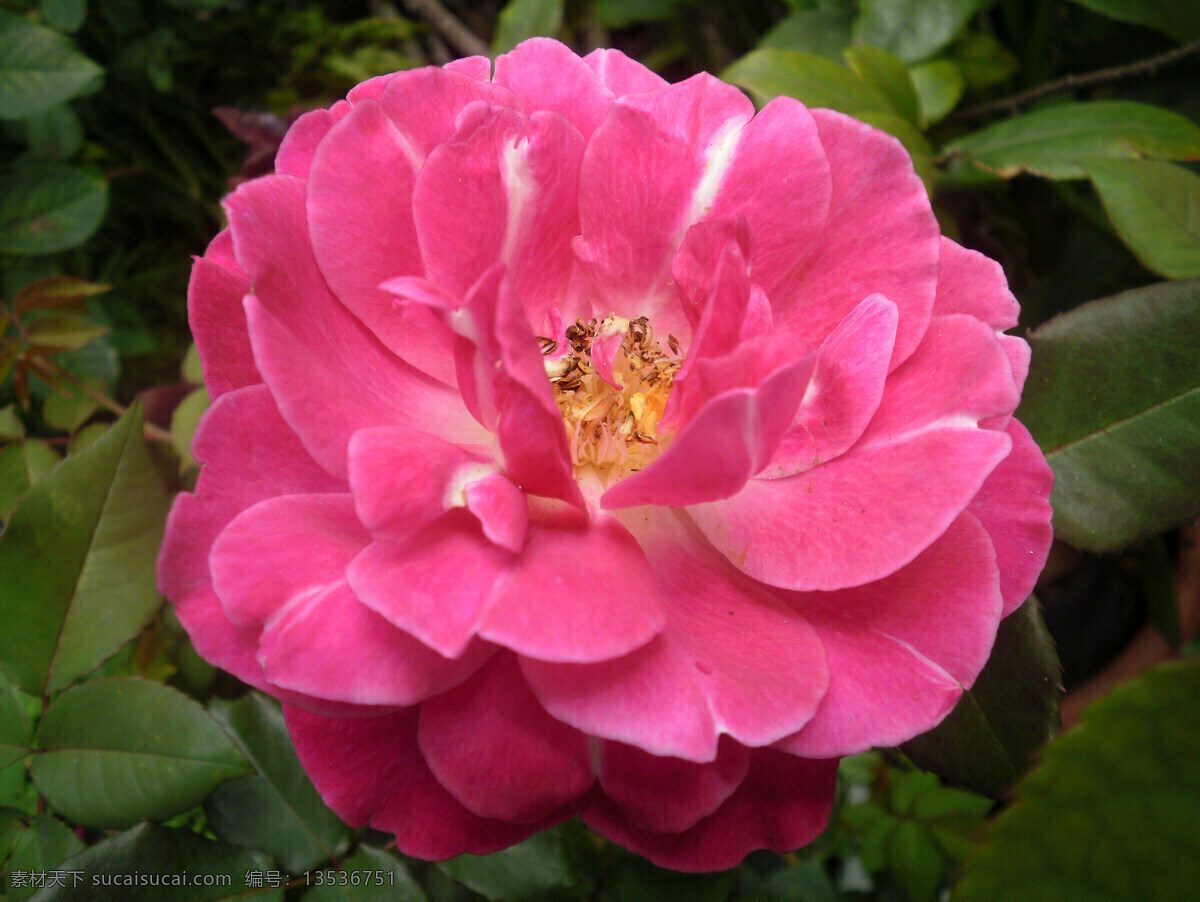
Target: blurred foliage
124, 122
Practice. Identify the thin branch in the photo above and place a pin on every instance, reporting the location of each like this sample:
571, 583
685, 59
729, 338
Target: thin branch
448, 26
1076, 82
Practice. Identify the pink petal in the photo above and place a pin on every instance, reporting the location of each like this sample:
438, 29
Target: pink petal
880, 237
669, 795
361, 223
783, 804
854, 519
622, 75
435, 585
731, 659
728, 441
1014, 507
295, 154
651, 171
544, 609
219, 326
479, 67
546, 75
330, 645
282, 548
505, 192
969, 282
710, 273
497, 751
847, 383
501, 508
370, 771
328, 374
1019, 354
960, 374
779, 181
901, 649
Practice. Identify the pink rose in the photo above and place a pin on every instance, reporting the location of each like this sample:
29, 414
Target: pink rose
589, 445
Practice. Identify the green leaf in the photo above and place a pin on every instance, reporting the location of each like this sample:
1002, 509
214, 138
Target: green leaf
15, 740
79, 553
11, 426
190, 867
369, 875
64, 15
1180, 20
191, 370
184, 421
22, 465
54, 291
1113, 399
1157, 576
1005, 718
1055, 141
530, 870
67, 412
940, 87
983, 60
1155, 208
1110, 813
913, 29
56, 133
637, 880
916, 861
813, 80
35, 843
277, 809
49, 207
885, 72
521, 19
63, 332
86, 437
908, 787
116, 750
806, 882
623, 13
38, 68
824, 32
946, 801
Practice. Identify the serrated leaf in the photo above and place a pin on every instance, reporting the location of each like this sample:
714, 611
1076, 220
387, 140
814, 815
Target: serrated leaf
197, 870
116, 750
1003, 720
67, 412
369, 875
914, 30
522, 19
15, 740
1110, 813
1155, 208
1113, 399
54, 291
38, 68
63, 332
11, 426
277, 809
527, 871
1180, 20
940, 87
916, 861
49, 207
813, 80
1054, 141
886, 73
35, 843
22, 465
825, 32
79, 555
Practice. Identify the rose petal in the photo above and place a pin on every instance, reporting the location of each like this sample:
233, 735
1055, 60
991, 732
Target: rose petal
218, 324
622, 75
969, 282
546, 75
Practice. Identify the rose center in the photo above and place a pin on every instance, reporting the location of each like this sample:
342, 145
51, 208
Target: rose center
611, 383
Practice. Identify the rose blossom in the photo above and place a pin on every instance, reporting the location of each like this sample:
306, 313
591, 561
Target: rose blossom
588, 445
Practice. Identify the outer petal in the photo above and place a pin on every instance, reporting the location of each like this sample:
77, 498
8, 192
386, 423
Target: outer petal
296, 151
434, 585
391, 788
880, 236
902, 649
1014, 507
783, 804
361, 222
669, 795
218, 323
498, 752
330, 645
854, 519
543, 609
326, 371
621, 75
731, 659
969, 282
546, 75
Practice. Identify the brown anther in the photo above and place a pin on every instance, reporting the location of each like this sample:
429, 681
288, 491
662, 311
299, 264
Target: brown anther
549, 345
673, 344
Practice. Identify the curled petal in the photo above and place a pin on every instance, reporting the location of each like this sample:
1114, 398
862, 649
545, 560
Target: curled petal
218, 323
546, 75
622, 75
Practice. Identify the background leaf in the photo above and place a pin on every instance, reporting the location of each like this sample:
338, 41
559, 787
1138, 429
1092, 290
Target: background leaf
383, 878
22, 465
1113, 399
38, 68
1111, 811
824, 32
49, 207
1054, 141
1180, 20
79, 557
939, 85
1005, 718
522, 19
813, 80
888, 75
115, 751
530, 870
34, 842
913, 29
1155, 208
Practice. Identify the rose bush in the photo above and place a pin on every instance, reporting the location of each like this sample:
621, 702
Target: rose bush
585, 444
